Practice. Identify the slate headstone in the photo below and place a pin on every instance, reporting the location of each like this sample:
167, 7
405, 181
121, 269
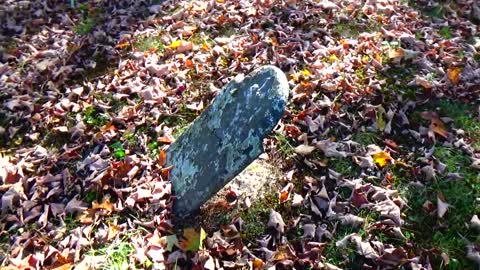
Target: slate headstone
226, 137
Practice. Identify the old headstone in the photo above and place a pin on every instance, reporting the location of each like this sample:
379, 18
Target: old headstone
226, 137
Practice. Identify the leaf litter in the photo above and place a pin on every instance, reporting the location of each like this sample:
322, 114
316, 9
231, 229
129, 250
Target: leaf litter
88, 113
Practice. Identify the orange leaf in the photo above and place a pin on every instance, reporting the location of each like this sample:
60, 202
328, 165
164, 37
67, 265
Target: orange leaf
205, 47
66, 266
105, 205
162, 158
454, 75
165, 139
258, 264
396, 53
189, 63
285, 193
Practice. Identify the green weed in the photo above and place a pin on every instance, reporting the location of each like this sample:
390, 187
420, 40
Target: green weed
284, 146
445, 32
347, 30
118, 150
71, 222
93, 117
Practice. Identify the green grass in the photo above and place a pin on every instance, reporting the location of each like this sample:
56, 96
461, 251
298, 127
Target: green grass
347, 30
464, 117
116, 104
366, 138
344, 166
445, 234
445, 32
179, 129
340, 258
256, 219
117, 255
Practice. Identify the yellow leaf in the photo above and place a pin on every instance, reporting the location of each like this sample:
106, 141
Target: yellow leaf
306, 72
175, 44
333, 58
382, 158
205, 46
454, 75
193, 240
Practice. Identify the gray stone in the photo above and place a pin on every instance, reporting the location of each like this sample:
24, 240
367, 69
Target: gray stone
226, 137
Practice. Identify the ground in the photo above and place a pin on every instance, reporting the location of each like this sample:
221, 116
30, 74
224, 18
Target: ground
376, 157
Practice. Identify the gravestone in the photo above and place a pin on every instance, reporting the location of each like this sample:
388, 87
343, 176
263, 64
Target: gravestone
226, 137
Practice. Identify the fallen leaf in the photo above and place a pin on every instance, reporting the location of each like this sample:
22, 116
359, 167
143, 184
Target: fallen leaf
382, 159
442, 206
192, 240
304, 149
475, 222
284, 194
257, 264
169, 242
276, 221
438, 127
104, 205
454, 75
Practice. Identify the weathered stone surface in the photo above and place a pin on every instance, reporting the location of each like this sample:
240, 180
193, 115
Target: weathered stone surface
226, 137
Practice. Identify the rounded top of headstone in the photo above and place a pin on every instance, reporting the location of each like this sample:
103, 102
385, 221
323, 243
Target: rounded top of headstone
282, 89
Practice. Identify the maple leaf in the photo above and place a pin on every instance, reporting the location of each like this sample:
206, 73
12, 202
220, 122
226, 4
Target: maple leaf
193, 240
